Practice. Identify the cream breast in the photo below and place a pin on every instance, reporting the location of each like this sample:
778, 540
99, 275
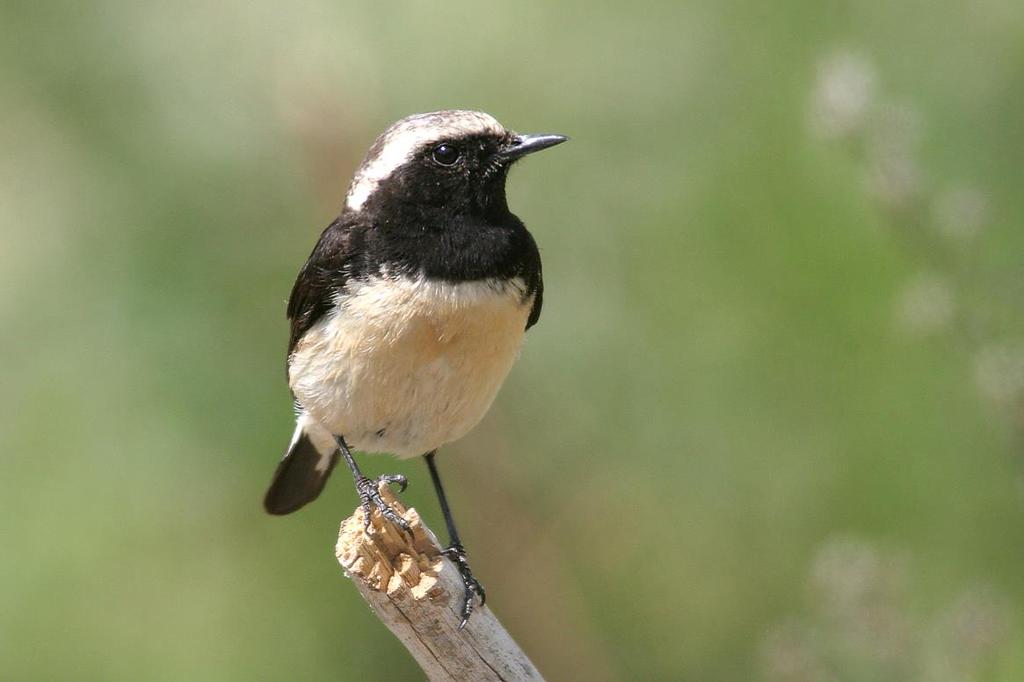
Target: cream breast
405, 365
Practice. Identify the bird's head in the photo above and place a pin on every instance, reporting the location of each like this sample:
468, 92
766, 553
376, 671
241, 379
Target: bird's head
449, 162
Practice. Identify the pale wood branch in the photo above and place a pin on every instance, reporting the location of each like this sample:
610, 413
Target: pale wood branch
416, 592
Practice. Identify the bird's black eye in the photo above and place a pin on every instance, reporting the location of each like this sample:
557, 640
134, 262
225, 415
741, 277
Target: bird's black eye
446, 154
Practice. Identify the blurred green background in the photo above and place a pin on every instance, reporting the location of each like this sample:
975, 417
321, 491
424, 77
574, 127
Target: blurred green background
769, 426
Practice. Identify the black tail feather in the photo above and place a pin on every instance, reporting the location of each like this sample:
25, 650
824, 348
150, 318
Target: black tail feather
297, 480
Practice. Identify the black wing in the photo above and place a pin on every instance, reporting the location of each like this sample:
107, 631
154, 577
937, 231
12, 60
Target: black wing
533, 273
325, 272
300, 477
538, 301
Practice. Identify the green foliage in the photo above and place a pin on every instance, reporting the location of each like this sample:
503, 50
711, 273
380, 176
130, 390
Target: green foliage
783, 266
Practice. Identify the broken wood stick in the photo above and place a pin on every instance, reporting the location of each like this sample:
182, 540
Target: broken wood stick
417, 592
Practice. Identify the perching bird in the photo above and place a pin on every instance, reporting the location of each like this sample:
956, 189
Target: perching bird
408, 315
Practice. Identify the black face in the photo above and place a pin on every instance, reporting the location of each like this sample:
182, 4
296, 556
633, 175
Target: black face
459, 176
443, 213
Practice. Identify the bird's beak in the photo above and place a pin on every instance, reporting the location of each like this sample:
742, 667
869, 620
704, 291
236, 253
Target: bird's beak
521, 145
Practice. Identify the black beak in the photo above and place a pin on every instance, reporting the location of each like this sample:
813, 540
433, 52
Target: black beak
521, 145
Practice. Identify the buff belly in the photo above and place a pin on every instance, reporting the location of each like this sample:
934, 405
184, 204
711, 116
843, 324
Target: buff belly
406, 365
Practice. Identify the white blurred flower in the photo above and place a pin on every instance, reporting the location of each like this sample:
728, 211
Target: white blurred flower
960, 213
859, 625
978, 622
843, 572
968, 635
842, 95
926, 305
894, 177
790, 653
860, 592
999, 373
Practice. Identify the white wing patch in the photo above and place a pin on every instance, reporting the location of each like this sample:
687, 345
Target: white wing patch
321, 438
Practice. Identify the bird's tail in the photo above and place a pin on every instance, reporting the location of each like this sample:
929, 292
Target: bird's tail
302, 473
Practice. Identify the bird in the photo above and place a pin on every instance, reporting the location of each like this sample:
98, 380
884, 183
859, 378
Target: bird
410, 312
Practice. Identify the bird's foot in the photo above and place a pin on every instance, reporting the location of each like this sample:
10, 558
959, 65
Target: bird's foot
369, 494
473, 588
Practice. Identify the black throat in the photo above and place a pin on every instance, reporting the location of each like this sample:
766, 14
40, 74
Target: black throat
470, 236
450, 225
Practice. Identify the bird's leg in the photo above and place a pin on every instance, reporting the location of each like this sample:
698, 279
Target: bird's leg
369, 491
455, 551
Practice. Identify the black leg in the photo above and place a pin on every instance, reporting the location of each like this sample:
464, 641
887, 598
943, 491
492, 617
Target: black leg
369, 492
455, 551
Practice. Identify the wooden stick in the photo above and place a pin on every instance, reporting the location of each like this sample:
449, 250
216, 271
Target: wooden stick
417, 593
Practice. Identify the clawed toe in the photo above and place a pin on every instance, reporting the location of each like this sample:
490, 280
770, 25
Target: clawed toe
471, 586
401, 480
369, 493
